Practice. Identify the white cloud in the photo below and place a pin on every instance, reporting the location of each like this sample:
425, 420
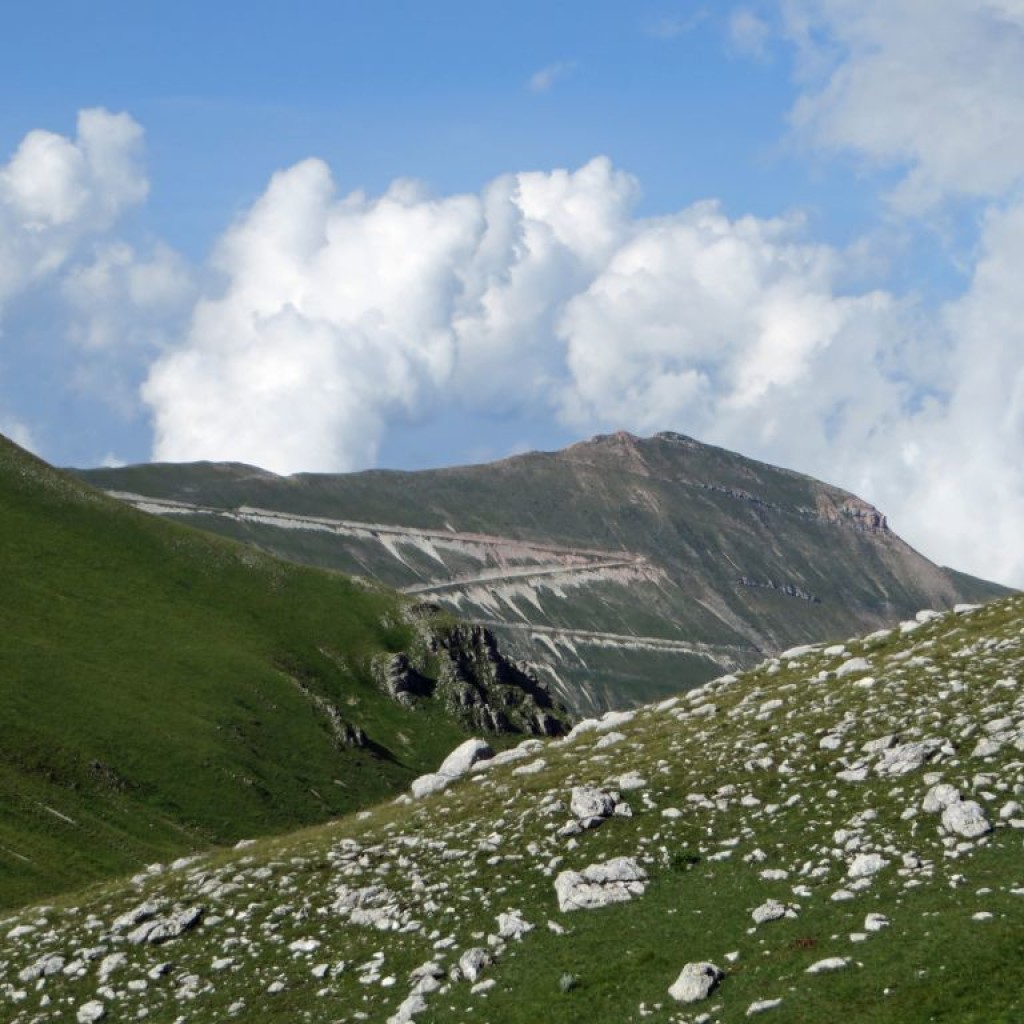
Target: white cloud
546, 77
928, 87
341, 315
56, 192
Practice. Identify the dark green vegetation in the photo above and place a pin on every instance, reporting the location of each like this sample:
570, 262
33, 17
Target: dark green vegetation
648, 565
163, 689
773, 785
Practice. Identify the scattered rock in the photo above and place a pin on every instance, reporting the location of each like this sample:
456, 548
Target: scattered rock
832, 963
966, 818
696, 981
613, 881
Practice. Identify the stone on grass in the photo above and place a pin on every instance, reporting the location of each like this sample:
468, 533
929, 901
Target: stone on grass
772, 910
90, 1012
864, 865
591, 802
163, 929
832, 963
598, 885
460, 761
907, 757
474, 961
512, 926
939, 797
696, 981
966, 818
761, 1005
464, 756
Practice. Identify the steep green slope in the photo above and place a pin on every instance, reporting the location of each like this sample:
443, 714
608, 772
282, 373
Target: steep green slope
163, 689
624, 568
837, 831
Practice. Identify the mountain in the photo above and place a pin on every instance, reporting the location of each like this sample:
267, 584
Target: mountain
163, 689
834, 834
622, 569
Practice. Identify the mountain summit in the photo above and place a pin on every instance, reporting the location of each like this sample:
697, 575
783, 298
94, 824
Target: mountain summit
621, 568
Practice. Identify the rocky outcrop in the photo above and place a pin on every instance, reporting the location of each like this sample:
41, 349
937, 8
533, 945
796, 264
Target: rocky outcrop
463, 666
598, 885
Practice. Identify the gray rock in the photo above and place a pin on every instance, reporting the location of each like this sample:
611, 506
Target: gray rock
966, 818
458, 763
464, 756
864, 865
761, 1005
90, 1012
696, 981
939, 797
613, 881
50, 963
832, 963
772, 910
474, 962
591, 802
163, 929
512, 926
907, 757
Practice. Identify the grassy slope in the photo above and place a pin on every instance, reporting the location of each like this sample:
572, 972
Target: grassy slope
452, 863
146, 681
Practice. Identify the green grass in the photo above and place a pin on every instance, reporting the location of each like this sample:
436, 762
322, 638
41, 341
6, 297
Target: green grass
934, 962
148, 685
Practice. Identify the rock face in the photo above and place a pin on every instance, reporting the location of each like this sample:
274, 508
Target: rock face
696, 981
613, 881
463, 666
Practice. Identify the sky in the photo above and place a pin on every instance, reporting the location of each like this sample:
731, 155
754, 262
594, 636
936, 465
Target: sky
325, 236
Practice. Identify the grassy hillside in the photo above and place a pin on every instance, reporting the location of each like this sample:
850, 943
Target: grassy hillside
163, 689
837, 831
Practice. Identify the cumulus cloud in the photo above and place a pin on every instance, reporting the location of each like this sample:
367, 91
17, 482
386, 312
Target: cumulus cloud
56, 192
928, 87
343, 314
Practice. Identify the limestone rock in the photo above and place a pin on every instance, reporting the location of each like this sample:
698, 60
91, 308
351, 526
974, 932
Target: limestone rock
832, 963
772, 910
939, 797
864, 865
613, 881
591, 802
907, 757
90, 1012
163, 929
966, 818
696, 981
474, 962
464, 756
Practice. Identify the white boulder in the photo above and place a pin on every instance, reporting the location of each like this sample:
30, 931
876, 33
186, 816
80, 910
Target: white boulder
696, 981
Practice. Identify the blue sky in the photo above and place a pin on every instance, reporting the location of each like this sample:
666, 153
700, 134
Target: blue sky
785, 227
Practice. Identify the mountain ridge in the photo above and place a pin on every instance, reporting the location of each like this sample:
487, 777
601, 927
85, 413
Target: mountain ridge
713, 548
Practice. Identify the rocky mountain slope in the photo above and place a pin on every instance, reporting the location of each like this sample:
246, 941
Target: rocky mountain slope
621, 568
163, 690
835, 833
